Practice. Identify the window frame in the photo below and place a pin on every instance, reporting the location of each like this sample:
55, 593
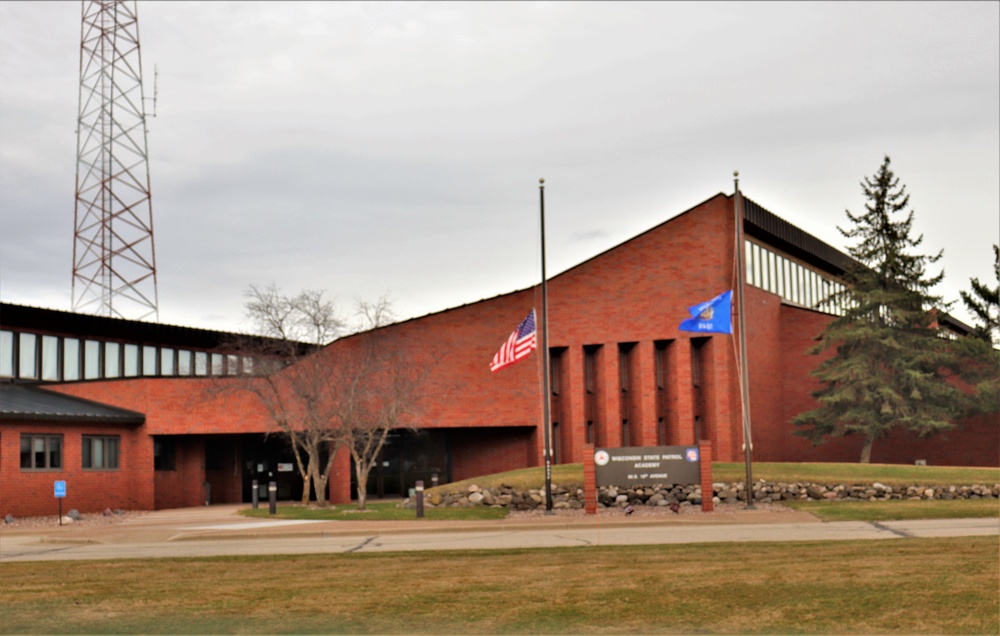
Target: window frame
87, 452
47, 450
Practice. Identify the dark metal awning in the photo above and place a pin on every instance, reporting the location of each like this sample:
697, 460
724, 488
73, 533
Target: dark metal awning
25, 402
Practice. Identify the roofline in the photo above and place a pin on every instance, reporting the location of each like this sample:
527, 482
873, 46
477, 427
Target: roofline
762, 224
57, 321
551, 277
118, 415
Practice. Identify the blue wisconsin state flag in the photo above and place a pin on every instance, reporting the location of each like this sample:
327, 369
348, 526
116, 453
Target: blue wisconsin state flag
714, 316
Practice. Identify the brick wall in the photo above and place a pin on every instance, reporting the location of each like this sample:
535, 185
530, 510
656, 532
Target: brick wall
31, 493
624, 300
486, 451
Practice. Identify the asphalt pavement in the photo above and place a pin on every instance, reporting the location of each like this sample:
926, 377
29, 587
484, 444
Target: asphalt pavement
218, 530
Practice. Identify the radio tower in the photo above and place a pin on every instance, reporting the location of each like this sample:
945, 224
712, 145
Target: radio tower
114, 263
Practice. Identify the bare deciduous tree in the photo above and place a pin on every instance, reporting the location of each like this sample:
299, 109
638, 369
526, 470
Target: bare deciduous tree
349, 395
291, 379
381, 390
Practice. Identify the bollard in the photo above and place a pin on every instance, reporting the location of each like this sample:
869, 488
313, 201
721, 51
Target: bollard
255, 496
434, 480
272, 496
420, 499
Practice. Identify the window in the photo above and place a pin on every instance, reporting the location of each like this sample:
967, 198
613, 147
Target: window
28, 363
555, 369
184, 364
660, 364
100, 452
697, 348
148, 360
71, 359
217, 364
50, 358
92, 359
624, 364
41, 452
200, 363
790, 279
164, 453
167, 362
590, 431
7, 354
131, 360
555, 443
589, 372
112, 360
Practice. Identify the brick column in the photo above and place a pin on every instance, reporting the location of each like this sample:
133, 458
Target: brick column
609, 396
644, 423
340, 478
680, 422
589, 480
572, 397
705, 453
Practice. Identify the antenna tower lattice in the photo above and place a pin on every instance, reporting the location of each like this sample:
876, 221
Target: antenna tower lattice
114, 263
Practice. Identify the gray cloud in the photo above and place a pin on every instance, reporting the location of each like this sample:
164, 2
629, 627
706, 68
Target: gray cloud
371, 147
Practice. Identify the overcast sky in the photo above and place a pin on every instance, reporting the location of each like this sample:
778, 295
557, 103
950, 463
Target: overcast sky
379, 148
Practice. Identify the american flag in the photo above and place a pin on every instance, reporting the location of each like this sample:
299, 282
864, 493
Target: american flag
519, 344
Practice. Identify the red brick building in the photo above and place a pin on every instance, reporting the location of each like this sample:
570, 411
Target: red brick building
622, 372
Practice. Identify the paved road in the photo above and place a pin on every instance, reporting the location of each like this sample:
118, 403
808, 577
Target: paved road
199, 536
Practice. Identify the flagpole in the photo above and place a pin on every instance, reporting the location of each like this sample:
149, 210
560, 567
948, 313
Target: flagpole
546, 392
744, 381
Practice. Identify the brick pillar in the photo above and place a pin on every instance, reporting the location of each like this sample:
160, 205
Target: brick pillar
589, 480
572, 395
609, 396
340, 478
681, 416
705, 453
643, 389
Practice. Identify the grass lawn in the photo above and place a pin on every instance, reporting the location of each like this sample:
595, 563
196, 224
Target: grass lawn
818, 473
824, 510
375, 511
888, 474
898, 509
909, 586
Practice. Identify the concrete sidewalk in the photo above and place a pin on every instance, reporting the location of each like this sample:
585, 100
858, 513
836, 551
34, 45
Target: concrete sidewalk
219, 522
219, 531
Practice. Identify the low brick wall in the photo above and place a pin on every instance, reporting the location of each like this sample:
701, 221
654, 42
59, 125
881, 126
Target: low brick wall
572, 497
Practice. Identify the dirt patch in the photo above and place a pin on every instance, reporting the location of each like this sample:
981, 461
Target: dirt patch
89, 519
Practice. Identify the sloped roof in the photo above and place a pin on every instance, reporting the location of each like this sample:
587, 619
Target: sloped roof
24, 402
59, 322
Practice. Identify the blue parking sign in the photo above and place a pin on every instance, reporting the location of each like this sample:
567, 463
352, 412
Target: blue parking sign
60, 488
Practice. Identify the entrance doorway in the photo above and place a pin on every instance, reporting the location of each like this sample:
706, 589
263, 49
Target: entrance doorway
407, 457
266, 459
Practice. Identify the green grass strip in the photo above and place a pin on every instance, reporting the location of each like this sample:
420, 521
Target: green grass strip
889, 586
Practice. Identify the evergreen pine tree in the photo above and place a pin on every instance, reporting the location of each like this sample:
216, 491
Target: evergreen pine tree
980, 357
889, 365
984, 303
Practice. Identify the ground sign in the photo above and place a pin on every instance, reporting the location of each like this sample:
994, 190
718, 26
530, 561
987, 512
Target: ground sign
647, 465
